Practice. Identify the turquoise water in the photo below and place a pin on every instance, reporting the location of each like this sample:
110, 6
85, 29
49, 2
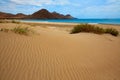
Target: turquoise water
92, 21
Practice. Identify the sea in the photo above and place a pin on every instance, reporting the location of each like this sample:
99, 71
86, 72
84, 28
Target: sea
89, 21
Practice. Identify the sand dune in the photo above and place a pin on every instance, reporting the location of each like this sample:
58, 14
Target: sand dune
55, 54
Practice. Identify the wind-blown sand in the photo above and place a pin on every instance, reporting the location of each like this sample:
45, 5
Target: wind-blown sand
54, 54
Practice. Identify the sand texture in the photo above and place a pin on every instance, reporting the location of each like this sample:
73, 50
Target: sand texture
54, 54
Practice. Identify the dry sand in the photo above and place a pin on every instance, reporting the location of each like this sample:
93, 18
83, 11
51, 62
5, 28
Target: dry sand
54, 54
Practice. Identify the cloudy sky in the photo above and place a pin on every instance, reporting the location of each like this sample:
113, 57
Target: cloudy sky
77, 8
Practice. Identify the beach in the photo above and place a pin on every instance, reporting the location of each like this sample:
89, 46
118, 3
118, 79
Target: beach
52, 53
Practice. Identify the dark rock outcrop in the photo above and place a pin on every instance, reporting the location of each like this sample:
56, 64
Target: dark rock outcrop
5, 15
41, 14
20, 15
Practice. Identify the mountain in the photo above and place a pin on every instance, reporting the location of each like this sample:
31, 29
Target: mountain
58, 16
45, 14
20, 15
11, 16
5, 15
69, 16
41, 14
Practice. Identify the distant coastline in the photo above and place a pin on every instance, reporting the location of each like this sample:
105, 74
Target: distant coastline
89, 21
40, 14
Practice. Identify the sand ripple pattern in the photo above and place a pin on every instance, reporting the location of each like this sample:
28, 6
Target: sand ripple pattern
49, 58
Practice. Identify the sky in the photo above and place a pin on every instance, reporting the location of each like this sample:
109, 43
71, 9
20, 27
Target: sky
77, 8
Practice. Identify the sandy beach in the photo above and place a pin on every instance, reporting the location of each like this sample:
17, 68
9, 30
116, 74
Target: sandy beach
51, 53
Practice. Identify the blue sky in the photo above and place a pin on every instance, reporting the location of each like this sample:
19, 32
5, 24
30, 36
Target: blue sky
77, 8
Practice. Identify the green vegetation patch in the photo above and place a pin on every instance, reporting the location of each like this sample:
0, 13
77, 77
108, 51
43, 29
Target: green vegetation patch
21, 30
4, 30
10, 21
18, 30
93, 29
15, 21
112, 31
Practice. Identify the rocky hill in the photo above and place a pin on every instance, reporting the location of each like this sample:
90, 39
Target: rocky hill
41, 14
5, 15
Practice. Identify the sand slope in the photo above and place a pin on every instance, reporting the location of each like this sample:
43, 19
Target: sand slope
57, 55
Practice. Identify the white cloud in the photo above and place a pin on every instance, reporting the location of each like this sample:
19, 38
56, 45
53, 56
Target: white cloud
41, 2
8, 7
113, 1
110, 10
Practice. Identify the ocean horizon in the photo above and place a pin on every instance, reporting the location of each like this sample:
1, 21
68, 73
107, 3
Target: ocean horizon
89, 21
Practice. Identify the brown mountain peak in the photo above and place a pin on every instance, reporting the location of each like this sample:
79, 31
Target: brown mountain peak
41, 14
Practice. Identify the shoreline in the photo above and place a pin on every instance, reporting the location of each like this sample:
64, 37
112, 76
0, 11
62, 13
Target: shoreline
75, 21
67, 24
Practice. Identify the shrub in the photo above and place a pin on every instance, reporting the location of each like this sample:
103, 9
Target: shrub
1, 21
112, 31
4, 21
1, 29
93, 29
87, 28
98, 30
14, 21
4, 29
20, 30
9, 21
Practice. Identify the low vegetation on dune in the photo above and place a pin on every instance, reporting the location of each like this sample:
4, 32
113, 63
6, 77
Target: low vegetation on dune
4, 30
18, 30
9, 21
21, 30
93, 29
15, 21
112, 31
4, 21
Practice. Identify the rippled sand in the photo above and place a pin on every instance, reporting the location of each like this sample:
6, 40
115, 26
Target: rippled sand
54, 54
